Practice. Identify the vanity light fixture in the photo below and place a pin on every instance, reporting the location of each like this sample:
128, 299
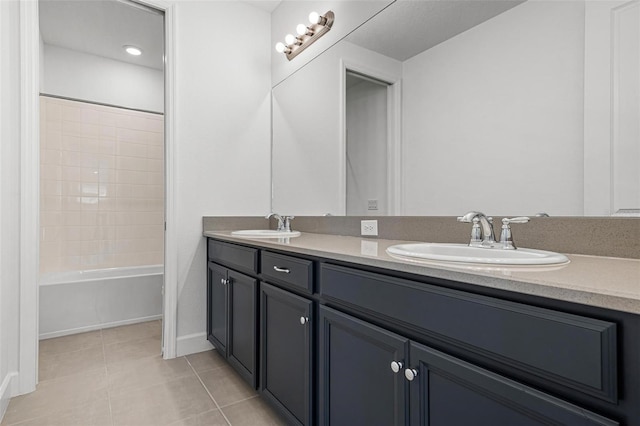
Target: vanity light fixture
132, 50
307, 35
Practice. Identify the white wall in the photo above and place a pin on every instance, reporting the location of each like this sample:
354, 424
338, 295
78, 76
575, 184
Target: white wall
93, 78
308, 124
511, 85
9, 199
222, 135
284, 19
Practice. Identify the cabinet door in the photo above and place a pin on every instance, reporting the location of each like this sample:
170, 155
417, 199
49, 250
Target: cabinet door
357, 385
241, 349
446, 391
217, 307
286, 336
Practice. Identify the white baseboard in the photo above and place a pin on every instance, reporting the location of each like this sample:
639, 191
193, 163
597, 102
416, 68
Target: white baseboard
192, 344
112, 324
5, 392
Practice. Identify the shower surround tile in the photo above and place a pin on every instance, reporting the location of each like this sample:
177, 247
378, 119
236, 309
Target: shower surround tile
100, 166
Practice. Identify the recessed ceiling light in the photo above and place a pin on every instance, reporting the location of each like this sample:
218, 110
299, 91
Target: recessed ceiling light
132, 50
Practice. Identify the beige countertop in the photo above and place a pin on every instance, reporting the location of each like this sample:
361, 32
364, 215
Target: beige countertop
606, 282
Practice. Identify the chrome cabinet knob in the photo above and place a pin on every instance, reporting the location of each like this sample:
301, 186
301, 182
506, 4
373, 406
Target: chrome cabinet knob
410, 374
304, 320
396, 366
223, 281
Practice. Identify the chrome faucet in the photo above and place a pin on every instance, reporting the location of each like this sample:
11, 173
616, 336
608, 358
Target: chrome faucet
284, 222
280, 226
482, 234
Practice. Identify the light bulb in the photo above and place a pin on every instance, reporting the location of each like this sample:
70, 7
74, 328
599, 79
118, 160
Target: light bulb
132, 50
289, 39
314, 17
301, 29
280, 47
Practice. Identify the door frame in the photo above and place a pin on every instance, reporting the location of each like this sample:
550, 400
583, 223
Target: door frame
30, 190
601, 112
394, 134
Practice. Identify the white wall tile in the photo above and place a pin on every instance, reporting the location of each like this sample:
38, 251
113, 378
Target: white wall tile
102, 187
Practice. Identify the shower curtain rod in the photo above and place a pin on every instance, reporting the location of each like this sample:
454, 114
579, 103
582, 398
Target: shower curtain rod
99, 103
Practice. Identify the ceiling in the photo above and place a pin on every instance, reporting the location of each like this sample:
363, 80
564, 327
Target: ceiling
408, 27
102, 27
266, 5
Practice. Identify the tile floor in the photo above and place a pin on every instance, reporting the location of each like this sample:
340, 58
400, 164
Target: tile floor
116, 376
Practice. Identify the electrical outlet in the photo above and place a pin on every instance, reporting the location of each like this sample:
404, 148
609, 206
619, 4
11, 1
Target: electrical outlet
372, 204
369, 228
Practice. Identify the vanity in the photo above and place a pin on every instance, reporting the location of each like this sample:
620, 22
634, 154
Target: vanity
496, 112
332, 330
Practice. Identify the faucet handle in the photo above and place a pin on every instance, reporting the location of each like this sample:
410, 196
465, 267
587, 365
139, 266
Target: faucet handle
476, 233
519, 219
506, 238
287, 223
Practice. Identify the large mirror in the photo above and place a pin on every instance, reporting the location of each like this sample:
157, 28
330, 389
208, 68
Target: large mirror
440, 107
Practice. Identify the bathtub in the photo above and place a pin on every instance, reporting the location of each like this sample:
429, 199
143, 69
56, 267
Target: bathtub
79, 301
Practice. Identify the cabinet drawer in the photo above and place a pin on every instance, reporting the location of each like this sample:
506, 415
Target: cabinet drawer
574, 351
288, 270
233, 255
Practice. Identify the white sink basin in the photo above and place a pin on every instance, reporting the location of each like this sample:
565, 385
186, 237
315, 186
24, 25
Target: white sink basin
265, 233
466, 254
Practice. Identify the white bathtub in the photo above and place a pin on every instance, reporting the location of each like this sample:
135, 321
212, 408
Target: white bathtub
79, 301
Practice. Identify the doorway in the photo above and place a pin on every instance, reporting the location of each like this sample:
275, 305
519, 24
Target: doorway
371, 147
366, 145
102, 166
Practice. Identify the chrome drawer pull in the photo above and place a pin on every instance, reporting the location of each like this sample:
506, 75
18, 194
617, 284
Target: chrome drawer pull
285, 270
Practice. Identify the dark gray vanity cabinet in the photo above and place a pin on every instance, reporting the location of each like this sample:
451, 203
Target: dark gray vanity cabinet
447, 391
242, 325
356, 383
403, 378
286, 337
337, 343
232, 307
369, 375
217, 307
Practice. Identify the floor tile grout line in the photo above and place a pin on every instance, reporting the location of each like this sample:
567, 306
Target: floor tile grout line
207, 390
239, 401
106, 372
66, 353
71, 375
